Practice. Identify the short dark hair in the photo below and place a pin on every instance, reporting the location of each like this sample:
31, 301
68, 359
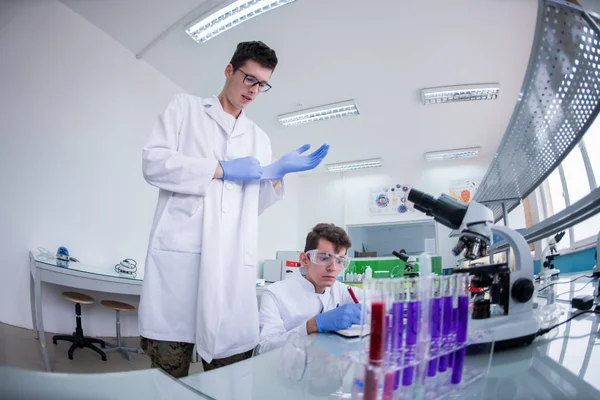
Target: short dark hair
329, 232
255, 51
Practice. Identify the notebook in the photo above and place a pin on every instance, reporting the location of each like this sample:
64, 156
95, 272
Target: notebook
354, 331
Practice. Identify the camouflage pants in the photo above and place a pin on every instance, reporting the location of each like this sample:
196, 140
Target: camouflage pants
175, 357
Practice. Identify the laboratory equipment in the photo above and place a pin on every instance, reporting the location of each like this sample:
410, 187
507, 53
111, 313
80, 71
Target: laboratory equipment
550, 253
273, 270
290, 263
286, 264
410, 261
550, 312
128, 266
403, 352
513, 321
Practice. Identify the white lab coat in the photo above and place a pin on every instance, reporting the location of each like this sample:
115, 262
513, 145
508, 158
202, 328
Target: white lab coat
286, 306
199, 281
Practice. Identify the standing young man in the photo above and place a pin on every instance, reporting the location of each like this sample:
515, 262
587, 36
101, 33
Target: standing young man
209, 160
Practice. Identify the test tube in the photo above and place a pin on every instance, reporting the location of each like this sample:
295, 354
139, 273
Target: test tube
462, 324
412, 331
447, 328
397, 326
376, 341
436, 325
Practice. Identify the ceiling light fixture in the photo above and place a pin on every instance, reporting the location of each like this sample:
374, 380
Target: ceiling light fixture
354, 165
321, 113
452, 154
231, 16
452, 94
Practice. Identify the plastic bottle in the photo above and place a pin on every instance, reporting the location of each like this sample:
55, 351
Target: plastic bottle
550, 312
368, 272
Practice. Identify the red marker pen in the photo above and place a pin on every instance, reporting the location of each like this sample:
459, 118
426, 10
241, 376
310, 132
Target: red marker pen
352, 295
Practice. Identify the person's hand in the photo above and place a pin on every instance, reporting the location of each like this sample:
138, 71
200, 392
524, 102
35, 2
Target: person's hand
342, 317
241, 169
294, 161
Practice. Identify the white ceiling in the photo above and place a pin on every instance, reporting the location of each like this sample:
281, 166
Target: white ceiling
333, 50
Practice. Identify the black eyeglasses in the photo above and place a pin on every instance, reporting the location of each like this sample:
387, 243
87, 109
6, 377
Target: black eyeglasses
250, 81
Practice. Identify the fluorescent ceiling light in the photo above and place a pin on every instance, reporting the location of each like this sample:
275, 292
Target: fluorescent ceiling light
231, 16
321, 113
354, 165
451, 94
452, 154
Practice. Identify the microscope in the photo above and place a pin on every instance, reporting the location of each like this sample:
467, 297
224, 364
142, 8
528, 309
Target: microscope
410, 262
550, 253
513, 322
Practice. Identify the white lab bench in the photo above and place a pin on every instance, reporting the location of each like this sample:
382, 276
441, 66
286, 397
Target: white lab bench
562, 368
562, 364
20, 384
45, 267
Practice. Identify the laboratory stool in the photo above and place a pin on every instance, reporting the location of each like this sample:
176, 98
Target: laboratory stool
118, 307
77, 338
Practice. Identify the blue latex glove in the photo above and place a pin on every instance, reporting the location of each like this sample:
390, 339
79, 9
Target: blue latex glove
342, 317
294, 161
241, 169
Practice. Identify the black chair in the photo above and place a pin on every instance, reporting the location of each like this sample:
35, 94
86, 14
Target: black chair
77, 338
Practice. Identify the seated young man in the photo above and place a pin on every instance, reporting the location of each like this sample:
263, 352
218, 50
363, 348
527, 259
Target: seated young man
312, 301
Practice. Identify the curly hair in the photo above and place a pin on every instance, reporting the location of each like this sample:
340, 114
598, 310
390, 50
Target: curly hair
334, 234
255, 51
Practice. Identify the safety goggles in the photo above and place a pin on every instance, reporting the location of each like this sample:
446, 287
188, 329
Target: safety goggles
325, 258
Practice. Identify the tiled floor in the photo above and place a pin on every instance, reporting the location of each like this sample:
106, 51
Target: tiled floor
18, 348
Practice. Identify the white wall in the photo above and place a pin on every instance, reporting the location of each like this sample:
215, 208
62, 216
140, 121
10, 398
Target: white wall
278, 226
343, 199
76, 108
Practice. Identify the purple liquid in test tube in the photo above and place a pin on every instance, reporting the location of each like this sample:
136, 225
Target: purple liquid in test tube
461, 332
436, 328
453, 336
447, 324
412, 330
397, 328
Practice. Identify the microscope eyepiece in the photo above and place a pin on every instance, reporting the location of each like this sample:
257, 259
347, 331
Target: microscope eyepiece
402, 255
445, 210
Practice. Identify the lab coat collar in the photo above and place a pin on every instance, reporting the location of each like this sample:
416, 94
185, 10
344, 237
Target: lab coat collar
306, 284
226, 121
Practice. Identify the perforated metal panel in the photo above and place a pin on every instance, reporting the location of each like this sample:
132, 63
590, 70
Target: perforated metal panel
559, 100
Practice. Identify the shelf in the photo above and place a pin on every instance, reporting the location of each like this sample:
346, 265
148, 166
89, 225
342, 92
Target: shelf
570, 216
559, 100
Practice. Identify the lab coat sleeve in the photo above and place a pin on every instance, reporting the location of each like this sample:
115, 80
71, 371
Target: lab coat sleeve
165, 167
268, 194
272, 330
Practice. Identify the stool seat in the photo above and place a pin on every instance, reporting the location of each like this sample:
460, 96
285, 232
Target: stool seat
117, 305
78, 297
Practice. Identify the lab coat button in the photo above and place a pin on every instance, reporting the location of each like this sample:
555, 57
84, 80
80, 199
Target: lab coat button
229, 186
224, 211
